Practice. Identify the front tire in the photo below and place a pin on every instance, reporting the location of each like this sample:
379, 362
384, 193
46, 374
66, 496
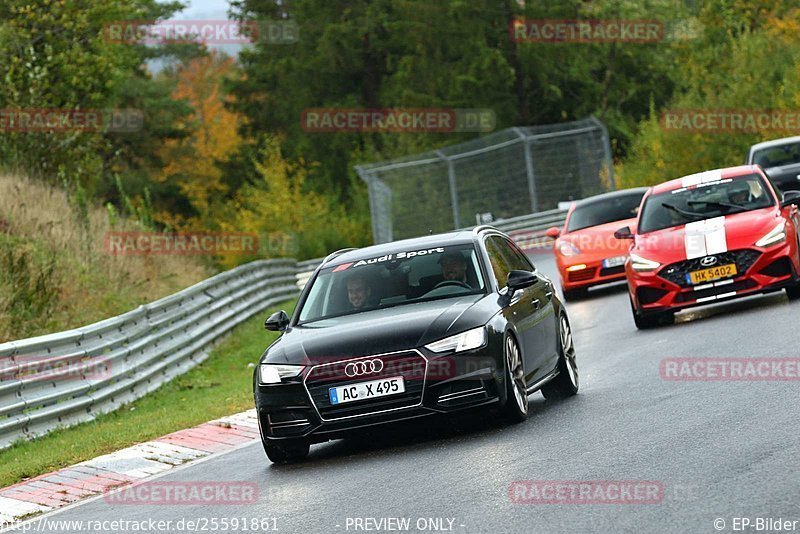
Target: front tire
566, 383
285, 452
646, 322
793, 292
516, 407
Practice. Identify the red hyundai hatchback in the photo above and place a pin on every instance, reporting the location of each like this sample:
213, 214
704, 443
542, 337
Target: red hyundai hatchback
709, 237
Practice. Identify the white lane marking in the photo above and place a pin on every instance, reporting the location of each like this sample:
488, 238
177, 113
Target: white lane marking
50, 513
15, 509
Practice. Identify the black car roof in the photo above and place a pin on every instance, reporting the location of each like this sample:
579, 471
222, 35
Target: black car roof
460, 237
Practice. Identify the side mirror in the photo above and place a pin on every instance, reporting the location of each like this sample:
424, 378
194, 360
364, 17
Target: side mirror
791, 198
520, 280
624, 233
277, 322
553, 232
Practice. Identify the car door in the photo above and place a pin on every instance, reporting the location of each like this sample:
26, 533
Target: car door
519, 311
541, 343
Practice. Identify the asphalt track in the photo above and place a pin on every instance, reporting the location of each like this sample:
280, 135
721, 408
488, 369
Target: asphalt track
720, 449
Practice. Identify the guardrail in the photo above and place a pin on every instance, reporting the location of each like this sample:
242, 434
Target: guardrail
528, 231
66, 378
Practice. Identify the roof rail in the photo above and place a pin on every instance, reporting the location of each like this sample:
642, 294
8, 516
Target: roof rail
339, 252
480, 228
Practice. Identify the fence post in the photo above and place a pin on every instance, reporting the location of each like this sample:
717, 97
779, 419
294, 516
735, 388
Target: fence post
529, 170
373, 206
606, 151
451, 177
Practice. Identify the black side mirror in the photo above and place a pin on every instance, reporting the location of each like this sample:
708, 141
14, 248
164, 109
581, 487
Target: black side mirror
624, 233
277, 322
520, 280
791, 198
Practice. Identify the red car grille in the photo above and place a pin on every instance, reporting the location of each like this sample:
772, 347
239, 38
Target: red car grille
677, 272
582, 275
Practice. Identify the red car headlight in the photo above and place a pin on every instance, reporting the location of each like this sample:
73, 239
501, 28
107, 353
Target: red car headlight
568, 249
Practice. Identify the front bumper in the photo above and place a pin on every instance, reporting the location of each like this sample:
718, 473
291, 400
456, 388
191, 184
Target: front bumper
299, 408
593, 274
771, 270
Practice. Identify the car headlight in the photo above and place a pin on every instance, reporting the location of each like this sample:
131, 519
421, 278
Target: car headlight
641, 264
568, 249
773, 237
273, 373
471, 339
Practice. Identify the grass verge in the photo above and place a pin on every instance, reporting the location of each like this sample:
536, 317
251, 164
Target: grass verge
222, 385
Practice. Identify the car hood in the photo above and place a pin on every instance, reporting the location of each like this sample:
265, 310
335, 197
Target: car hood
380, 331
785, 177
739, 230
598, 242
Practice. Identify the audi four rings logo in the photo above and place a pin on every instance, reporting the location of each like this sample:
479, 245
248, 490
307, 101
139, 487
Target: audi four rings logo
364, 367
708, 261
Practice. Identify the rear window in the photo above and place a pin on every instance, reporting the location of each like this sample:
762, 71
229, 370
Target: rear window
397, 278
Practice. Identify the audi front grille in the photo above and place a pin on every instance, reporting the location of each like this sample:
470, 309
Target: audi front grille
410, 365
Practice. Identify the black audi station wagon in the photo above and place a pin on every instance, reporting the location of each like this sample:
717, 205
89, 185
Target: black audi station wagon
409, 329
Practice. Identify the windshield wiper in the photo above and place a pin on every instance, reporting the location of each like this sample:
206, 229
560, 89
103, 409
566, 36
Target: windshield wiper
737, 207
683, 213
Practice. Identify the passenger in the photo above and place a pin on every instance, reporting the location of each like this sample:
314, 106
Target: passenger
359, 292
454, 267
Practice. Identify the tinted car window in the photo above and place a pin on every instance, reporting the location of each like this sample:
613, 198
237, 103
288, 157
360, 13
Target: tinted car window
778, 156
500, 258
393, 279
713, 199
604, 211
517, 259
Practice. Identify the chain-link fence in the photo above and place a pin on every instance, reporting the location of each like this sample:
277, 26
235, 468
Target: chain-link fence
509, 173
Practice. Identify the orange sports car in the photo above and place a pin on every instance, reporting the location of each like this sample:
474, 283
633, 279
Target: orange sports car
586, 251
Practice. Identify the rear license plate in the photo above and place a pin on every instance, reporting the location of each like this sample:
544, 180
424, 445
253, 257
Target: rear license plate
614, 262
367, 390
714, 273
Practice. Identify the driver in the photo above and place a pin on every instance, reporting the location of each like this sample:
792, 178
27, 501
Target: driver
454, 267
358, 291
739, 193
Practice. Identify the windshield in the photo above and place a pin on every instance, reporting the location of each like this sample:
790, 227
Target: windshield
778, 156
393, 279
704, 201
604, 211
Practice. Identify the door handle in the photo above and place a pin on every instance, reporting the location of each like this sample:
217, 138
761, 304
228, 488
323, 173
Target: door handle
548, 294
536, 303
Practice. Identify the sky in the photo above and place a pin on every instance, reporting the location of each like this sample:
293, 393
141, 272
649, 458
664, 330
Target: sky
204, 9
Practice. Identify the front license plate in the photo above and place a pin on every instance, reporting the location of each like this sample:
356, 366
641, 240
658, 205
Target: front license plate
614, 262
367, 390
714, 273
